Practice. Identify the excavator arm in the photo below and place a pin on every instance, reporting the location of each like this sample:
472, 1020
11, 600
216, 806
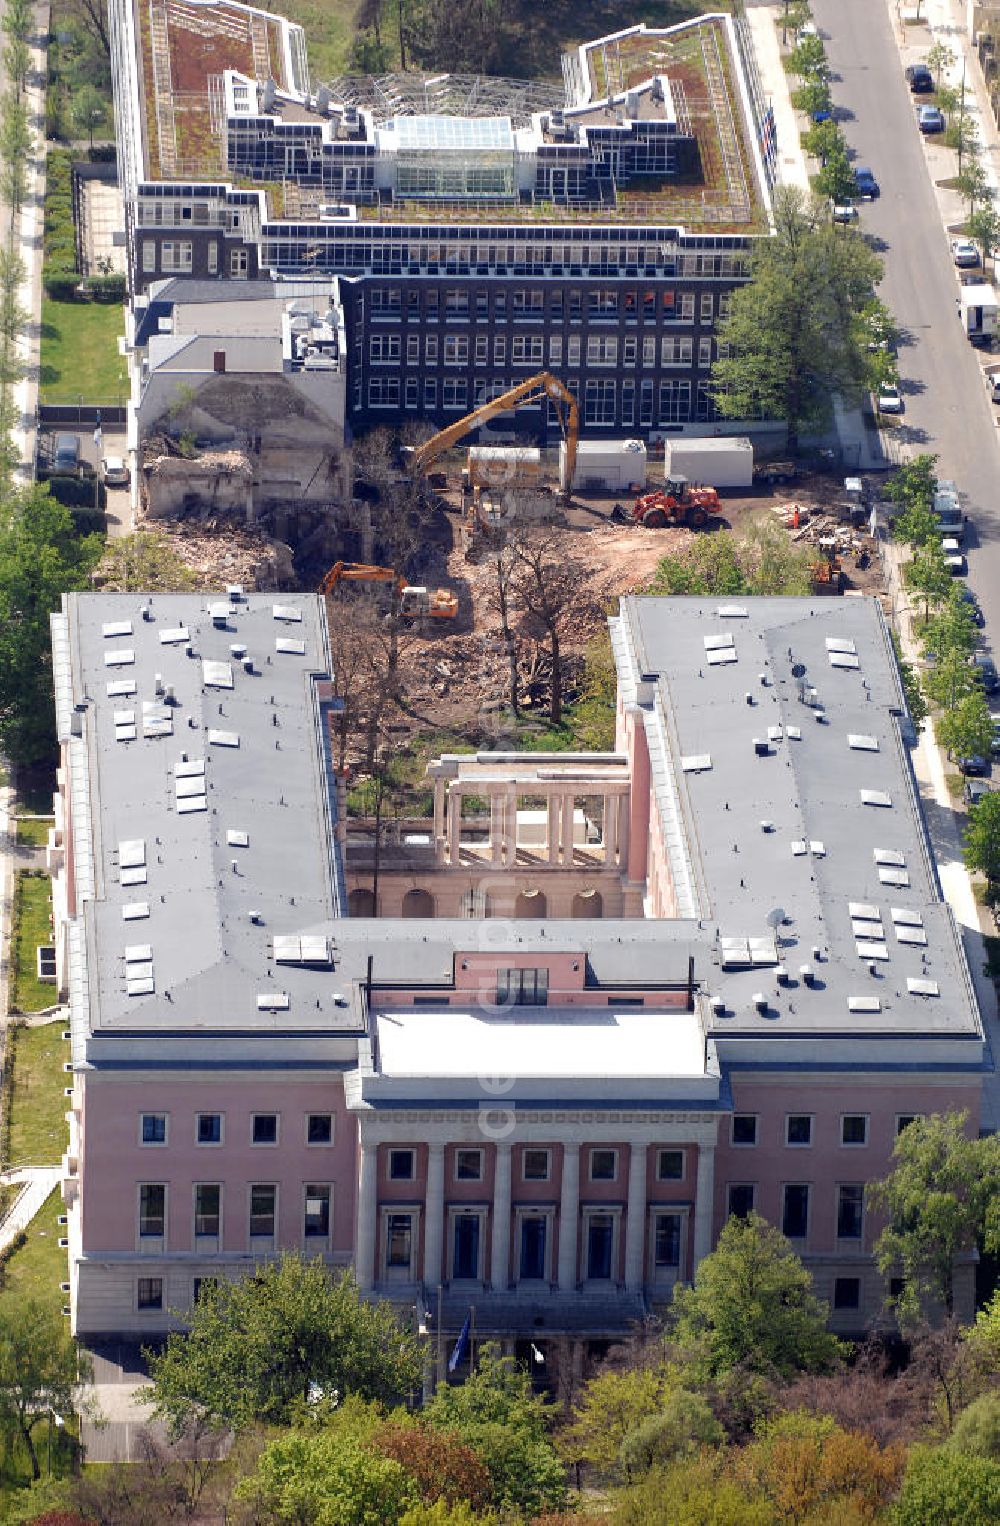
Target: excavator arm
536, 389
357, 572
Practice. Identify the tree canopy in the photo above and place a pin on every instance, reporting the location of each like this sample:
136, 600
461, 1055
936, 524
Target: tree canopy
790, 343
257, 1348
941, 1198
760, 560
41, 558
981, 848
752, 1307
38, 1368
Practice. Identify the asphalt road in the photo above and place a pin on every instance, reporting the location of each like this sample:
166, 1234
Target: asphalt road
947, 410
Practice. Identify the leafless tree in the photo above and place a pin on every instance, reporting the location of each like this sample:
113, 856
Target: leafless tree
547, 588
505, 566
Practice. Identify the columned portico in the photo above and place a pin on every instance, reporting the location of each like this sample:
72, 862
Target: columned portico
434, 1214
364, 1256
703, 1206
569, 1215
635, 1217
500, 1258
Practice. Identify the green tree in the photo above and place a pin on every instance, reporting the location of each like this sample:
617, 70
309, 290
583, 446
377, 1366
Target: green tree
808, 59
790, 341
915, 701
311, 1477
41, 557
984, 227
914, 484
977, 1429
442, 1514
939, 58
966, 730
88, 110
946, 1488
975, 184
39, 1368
981, 846
941, 1199
950, 680
256, 1348
928, 574
811, 96
701, 1492
823, 139
948, 99
950, 629
761, 560
609, 1408
17, 62
835, 179
752, 1307
683, 1426
16, 144
497, 1415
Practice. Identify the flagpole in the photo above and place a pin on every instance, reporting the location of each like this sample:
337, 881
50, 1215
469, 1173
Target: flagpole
472, 1340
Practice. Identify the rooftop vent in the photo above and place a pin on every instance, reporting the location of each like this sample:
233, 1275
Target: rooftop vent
761, 747
272, 1001
808, 974
760, 1001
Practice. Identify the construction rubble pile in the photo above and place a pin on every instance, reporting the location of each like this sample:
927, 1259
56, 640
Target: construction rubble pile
218, 552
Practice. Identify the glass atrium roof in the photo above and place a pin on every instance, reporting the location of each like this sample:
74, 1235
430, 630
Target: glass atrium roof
444, 134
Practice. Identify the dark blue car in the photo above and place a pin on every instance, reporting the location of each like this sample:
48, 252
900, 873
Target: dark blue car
866, 183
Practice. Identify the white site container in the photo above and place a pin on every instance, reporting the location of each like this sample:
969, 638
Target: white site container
504, 465
978, 310
716, 460
612, 466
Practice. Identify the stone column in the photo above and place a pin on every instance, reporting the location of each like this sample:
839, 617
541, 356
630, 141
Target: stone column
496, 828
500, 1257
510, 830
569, 1215
639, 798
552, 846
704, 1204
367, 1233
454, 825
438, 815
635, 1218
433, 1214
566, 834
610, 829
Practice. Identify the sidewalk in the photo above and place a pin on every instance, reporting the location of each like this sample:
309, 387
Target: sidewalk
861, 448
944, 824
28, 242
39, 1182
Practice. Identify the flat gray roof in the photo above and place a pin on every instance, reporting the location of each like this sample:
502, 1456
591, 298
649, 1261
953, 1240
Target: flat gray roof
212, 864
783, 784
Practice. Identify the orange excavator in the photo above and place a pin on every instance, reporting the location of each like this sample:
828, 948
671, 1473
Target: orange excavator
676, 503
438, 603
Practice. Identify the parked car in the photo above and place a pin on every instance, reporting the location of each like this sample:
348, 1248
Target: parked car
974, 790
866, 183
114, 471
995, 744
965, 253
775, 471
920, 79
986, 672
974, 767
845, 212
957, 565
889, 399
968, 598
930, 119
66, 455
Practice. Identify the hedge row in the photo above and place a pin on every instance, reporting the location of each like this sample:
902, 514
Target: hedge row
59, 273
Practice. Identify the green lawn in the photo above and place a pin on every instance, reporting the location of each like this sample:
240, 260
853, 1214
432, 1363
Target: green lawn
80, 358
33, 832
32, 903
38, 1267
38, 1129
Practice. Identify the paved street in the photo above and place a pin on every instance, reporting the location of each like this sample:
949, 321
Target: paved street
947, 409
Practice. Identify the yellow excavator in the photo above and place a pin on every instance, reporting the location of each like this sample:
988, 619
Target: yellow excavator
537, 389
439, 603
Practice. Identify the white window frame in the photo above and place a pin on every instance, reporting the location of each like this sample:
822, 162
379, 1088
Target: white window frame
149, 256
729, 1188
468, 1150
456, 349
846, 1310
467, 1210
454, 392
602, 1150
320, 1144
800, 1144
315, 1242
499, 349
666, 1276
910, 1118
573, 350
797, 1239
555, 349
204, 1242
413, 349
265, 1144
591, 1211
857, 1240
390, 1274
482, 353
148, 1244
213, 257
744, 1144
531, 1211
239, 264
392, 1150
662, 1150
263, 1242
149, 1308
181, 258
855, 1144
210, 1144
154, 1144
539, 1150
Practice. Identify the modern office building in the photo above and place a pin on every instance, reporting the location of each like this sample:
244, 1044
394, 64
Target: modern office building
480, 230
715, 972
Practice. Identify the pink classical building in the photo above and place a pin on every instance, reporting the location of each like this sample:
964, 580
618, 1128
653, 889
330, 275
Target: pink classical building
640, 991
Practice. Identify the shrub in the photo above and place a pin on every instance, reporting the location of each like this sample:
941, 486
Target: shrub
60, 284
107, 288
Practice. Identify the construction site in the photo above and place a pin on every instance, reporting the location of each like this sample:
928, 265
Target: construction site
467, 581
